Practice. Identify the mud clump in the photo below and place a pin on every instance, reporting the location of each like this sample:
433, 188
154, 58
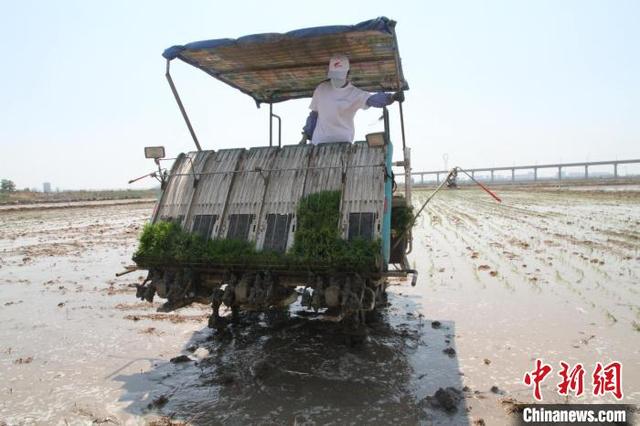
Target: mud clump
450, 351
445, 399
497, 390
484, 267
159, 402
180, 359
436, 324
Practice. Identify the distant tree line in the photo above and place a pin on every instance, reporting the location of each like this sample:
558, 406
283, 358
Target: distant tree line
7, 185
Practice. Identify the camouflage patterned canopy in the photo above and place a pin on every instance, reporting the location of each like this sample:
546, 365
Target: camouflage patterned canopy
275, 67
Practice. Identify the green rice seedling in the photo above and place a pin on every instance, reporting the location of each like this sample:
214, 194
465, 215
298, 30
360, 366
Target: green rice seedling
317, 242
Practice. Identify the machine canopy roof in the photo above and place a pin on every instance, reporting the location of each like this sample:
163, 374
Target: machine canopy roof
275, 67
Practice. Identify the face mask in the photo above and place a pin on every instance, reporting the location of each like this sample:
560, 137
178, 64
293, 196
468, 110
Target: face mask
337, 83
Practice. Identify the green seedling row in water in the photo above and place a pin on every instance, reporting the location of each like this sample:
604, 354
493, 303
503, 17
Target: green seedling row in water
317, 242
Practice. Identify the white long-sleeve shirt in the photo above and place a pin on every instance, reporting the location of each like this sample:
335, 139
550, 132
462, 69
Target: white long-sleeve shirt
336, 110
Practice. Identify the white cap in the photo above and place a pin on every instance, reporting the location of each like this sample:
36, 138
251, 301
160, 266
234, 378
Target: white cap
338, 67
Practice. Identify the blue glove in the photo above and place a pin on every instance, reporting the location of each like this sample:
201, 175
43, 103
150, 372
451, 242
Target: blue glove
380, 100
310, 125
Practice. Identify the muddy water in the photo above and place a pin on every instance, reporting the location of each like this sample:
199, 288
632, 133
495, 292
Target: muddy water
542, 275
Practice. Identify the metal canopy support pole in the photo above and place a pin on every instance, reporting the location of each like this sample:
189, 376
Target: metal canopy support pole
270, 124
279, 130
405, 151
400, 86
404, 144
271, 116
182, 110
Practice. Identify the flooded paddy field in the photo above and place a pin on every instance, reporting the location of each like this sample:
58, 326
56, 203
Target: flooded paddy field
546, 274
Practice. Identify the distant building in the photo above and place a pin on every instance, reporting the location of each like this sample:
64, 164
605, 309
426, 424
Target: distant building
46, 187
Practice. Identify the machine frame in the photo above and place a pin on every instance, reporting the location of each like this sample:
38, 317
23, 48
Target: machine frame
240, 287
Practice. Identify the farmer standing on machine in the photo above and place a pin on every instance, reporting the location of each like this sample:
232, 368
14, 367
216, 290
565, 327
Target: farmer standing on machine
335, 103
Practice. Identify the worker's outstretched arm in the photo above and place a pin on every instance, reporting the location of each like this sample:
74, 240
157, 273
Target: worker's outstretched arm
380, 100
309, 127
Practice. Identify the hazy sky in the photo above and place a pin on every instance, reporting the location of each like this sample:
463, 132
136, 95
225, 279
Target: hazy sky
492, 82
